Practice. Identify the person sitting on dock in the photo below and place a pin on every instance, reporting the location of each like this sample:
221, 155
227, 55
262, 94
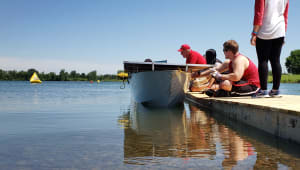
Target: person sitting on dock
192, 57
242, 79
201, 83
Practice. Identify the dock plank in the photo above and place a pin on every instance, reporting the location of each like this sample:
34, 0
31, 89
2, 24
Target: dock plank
286, 102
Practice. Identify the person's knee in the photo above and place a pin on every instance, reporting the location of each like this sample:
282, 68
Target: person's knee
226, 85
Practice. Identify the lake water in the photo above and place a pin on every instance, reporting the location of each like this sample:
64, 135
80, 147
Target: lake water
79, 125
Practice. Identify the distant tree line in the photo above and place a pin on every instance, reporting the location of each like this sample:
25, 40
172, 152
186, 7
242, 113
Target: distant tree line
62, 76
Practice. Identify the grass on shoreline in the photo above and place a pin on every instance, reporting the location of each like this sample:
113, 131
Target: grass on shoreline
287, 78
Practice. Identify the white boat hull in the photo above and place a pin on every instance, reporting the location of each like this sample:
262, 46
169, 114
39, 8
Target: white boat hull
159, 88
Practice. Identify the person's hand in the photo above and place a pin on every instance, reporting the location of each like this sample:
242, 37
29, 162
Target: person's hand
195, 74
213, 69
216, 75
253, 40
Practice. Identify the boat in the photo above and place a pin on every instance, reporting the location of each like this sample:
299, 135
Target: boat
35, 79
160, 84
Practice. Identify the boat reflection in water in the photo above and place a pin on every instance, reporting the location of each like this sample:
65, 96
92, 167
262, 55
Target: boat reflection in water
153, 134
190, 138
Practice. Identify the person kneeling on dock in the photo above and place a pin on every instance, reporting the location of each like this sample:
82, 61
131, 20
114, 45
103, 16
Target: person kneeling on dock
242, 79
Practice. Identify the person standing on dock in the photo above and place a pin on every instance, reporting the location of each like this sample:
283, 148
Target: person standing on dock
269, 29
242, 78
192, 57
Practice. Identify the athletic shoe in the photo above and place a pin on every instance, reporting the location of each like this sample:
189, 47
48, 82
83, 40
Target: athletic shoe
210, 92
261, 94
274, 93
222, 93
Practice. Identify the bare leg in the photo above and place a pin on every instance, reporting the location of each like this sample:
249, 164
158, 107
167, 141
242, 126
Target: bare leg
226, 85
200, 87
203, 87
215, 87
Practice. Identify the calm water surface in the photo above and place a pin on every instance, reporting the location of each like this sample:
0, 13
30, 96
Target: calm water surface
78, 125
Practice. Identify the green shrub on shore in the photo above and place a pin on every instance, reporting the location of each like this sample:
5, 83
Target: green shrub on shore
287, 78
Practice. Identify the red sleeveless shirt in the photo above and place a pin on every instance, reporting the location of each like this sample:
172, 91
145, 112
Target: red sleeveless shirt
250, 74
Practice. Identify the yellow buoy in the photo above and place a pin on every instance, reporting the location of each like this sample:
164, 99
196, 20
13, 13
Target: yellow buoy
35, 79
123, 75
98, 81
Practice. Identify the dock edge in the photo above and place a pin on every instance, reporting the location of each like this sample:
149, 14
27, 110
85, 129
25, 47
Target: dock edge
281, 123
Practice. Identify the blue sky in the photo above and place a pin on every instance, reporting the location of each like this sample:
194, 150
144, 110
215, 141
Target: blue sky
87, 35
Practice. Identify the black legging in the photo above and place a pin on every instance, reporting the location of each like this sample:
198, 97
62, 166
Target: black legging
269, 50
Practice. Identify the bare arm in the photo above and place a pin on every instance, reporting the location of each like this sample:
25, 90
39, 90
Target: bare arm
239, 66
203, 73
223, 67
220, 68
254, 36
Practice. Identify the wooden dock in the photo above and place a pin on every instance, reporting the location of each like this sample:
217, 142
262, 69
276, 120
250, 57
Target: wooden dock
278, 116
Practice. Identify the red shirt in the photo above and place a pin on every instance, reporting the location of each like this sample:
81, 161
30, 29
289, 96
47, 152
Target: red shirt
195, 58
250, 74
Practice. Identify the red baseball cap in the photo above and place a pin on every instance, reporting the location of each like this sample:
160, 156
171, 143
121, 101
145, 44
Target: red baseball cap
184, 47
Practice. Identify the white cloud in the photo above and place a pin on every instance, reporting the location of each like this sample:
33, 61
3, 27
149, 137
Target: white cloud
55, 65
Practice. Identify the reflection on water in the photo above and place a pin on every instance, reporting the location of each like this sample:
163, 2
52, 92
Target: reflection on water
153, 136
158, 133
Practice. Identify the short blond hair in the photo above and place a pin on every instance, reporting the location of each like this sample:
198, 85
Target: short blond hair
231, 45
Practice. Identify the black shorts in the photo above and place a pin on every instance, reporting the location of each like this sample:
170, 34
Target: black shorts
243, 88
